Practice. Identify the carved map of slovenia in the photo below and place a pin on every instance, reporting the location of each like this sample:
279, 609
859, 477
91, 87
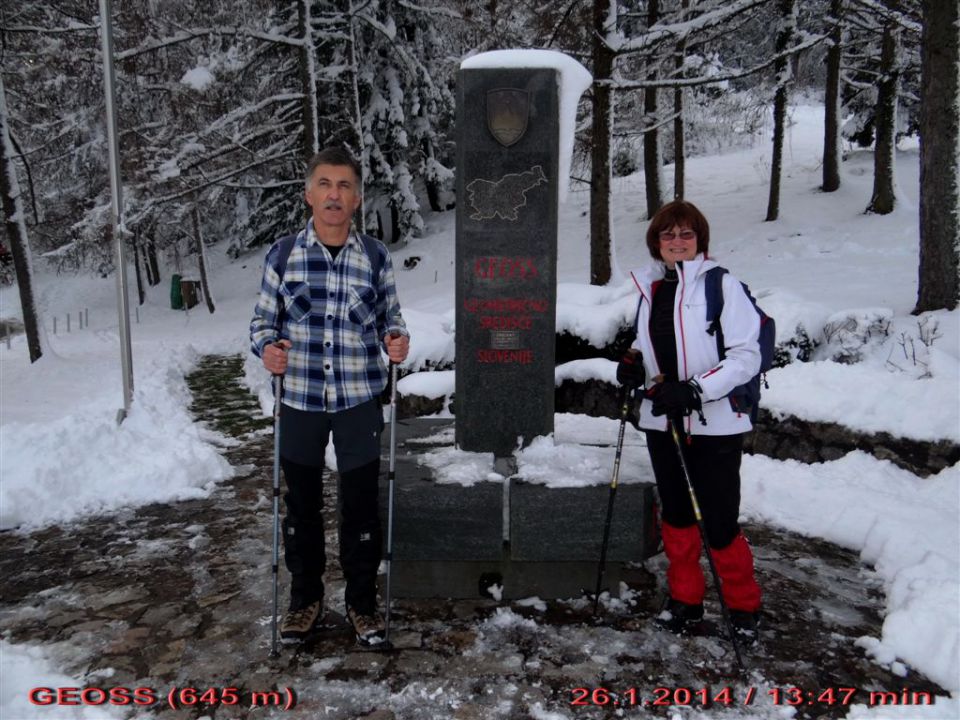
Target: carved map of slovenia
503, 197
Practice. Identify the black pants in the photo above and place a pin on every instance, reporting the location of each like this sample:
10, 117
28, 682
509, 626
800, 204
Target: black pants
714, 465
356, 437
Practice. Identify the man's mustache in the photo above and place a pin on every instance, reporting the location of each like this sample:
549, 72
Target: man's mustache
332, 205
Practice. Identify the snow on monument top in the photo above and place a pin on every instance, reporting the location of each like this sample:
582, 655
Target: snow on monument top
573, 81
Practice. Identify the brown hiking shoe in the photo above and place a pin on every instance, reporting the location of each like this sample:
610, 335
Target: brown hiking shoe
369, 629
298, 623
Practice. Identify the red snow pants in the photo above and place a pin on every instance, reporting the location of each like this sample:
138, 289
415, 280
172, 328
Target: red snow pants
714, 464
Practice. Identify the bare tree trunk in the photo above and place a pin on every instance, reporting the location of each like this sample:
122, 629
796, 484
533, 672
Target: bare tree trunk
141, 295
152, 264
17, 232
831, 124
885, 126
939, 149
394, 222
651, 137
362, 155
201, 259
430, 180
308, 74
603, 56
788, 21
679, 151
147, 270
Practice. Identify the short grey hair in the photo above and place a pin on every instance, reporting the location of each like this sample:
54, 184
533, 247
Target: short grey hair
334, 155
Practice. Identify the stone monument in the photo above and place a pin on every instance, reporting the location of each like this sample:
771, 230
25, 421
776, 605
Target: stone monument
509, 538
506, 256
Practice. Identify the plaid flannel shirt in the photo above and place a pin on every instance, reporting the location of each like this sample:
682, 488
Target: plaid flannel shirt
336, 314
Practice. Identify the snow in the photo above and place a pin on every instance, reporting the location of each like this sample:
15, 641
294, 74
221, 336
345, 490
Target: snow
907, 407
63, 455
573, 80
849, 502
80, 464
823, 264
30, 666
198, 78
428, 384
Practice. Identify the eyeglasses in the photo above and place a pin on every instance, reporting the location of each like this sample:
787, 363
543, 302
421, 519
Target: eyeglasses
685, 235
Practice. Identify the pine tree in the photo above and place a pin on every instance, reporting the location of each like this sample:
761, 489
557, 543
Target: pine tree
939, 150
885, 115
17, 230
831, 120
785, 32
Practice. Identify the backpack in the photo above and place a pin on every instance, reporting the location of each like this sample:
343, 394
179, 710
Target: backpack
285, 247
286, 243
743, 398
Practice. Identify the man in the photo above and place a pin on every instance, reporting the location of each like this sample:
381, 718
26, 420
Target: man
320, 323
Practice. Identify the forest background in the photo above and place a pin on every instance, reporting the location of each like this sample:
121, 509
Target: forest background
220, 104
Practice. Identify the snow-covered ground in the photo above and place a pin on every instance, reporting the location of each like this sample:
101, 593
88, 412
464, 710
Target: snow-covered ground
824, 264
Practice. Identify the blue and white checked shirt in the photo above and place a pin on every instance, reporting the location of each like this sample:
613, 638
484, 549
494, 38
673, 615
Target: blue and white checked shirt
336, 314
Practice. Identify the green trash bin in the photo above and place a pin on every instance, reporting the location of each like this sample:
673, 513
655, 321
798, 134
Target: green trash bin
176, 294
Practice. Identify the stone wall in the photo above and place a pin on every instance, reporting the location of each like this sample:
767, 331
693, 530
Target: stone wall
781, 437
788, 437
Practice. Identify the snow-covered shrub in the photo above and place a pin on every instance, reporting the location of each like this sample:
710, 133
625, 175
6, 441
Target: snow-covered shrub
850, 334
910, 352
875, 337
799, 346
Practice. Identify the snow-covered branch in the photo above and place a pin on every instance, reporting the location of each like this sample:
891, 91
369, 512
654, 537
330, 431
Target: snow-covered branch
439, 11
414, 66
48, 31
193, 33
164, 199
719, 77
676, 31
902, 19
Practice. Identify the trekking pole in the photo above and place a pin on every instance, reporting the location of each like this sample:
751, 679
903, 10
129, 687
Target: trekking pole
675, 431
624, 410
391, 477
277, 390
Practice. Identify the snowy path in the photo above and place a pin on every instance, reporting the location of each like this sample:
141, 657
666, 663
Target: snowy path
177, 595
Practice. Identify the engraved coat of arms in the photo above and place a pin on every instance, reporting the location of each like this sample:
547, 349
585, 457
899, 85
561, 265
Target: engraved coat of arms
507, 113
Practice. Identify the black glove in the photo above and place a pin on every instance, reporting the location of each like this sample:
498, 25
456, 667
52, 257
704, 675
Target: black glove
630, 372
675, 399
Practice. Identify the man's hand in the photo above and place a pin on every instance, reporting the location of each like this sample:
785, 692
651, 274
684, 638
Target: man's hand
275, 356
397, 347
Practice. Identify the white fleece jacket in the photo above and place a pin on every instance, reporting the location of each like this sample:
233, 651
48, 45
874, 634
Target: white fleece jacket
697, 356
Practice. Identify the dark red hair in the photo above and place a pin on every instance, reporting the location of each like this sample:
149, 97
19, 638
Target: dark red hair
682, 214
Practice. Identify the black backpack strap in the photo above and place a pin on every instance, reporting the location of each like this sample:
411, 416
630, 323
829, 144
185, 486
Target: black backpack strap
713, 290
373, 252
284, 247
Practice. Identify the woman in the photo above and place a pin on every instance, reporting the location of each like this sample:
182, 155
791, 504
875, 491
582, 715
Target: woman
677, 363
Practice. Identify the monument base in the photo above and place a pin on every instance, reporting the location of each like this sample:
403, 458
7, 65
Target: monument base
454, 541
507, 580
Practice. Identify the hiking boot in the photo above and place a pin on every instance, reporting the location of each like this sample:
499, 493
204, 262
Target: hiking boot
680, 618
746, 625
298, 623
369, 629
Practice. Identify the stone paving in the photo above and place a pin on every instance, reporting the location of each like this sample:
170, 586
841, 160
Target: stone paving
177, 595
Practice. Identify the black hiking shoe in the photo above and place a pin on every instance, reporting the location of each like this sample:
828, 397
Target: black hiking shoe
369, 629
681, 618
746, 625
298, 623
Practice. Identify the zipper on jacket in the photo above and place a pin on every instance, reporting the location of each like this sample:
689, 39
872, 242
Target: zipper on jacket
656, 365
683, 342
